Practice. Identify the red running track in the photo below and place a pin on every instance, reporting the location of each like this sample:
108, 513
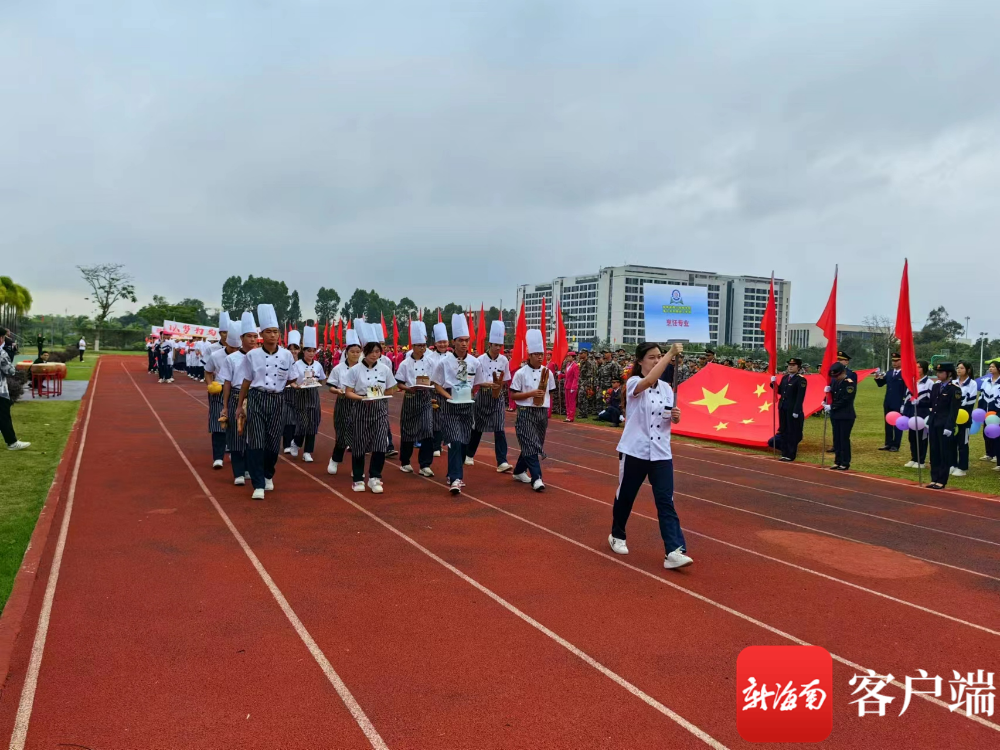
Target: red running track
186, 615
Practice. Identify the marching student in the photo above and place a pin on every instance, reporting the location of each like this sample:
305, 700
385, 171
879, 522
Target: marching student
261, 405
166, 357
922, 407
531, 388
946, 400
216, 405
434, 356
792, 393
367, 384
233, 371
151, 354
343, 412
644, 452
842, 415
288, 431
416, 418
970, 395
492, 374
895, 394
377, 334
453, 378
989, 400
309, 376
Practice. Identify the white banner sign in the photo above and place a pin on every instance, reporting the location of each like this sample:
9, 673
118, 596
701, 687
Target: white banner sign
187, 330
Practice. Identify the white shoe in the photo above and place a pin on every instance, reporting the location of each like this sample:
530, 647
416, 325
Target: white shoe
504, 467
257, 495
18, 445
294, 450
170, 380
358, 486
676, 559
268, 484
456, 487
160, 380
239, 481
910, 465
307, 458
538, 485
217, 464
958, 473
437, 454
523, 477
331, 468
986, 458
618, 546
246, 474
406, 469
426, 472
287, 450
921, 466
375, 485
470, 461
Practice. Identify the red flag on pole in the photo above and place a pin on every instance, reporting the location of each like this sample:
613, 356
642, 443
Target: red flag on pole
395, 334
828, 324
481, 330
769, 325
440, 319
420, 314
560, 345
340, 333
519, 351
543, 327
385, 330
904, 332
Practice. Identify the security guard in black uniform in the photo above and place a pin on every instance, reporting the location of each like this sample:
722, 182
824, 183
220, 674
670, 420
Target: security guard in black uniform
845, 359
792, 392
946, 400
843, 389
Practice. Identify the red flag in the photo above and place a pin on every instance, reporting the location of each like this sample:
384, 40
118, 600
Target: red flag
519, 352
326, 335
543, 327
904, 332
440, 319
481, 330
828, 324
421, 315
395, 334
385, 330
769, 325
560, 344
340, 333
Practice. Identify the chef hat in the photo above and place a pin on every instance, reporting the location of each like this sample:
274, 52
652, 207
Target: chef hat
535, 345
309, 337
362, 328
351, 338
233, 334
459, 326
440, 332
267, 317
379, 334
294, 338
497, 331
224, 321
418, 332
247, 323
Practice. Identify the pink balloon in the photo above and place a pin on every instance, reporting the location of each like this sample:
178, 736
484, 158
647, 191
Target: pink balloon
891, 418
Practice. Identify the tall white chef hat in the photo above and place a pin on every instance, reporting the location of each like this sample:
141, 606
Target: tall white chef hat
233, 334
267, 317
294, 338
497, 331
224, 321
379, 335
309, 337
535, 345
418, 332
440, 332
351, 338
362, 328
247, 323
459, 326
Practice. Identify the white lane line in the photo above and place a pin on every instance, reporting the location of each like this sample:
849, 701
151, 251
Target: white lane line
27, 702
352, 705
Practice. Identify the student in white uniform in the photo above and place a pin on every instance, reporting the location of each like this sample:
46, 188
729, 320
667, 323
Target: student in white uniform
644, 452
367, 384
309, 376
343, 412
416, 418
989, 400
532, 418
456, 369
970, 396
261, 403
491, 404
922, 408
233, 371
288, 431
378, 335
216, 404
434, 356
166, 357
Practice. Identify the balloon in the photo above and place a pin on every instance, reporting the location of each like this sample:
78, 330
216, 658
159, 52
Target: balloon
978, 415
891, 417
976, 427
992, 431
918, 423
903, 423
990, 413
963, 416
993, 419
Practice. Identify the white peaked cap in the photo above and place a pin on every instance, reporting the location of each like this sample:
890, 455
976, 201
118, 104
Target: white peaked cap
294, 338
418, 332
459, 326
497, 331
233, 334
440, 332
309, 337
362, 328
266, 316
535, 345
351, 338
224, 321
247, 323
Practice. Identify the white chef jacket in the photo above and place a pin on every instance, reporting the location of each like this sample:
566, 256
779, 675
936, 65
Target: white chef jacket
647, 423
361, 376
445, 374
410, 368
488, 365
298, 372
527, 379
269, 372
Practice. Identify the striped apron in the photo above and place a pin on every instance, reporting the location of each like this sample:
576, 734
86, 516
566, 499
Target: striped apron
490, 411
436, 398
456, 422
370, 428
265, 419
214, 412
530, 427
416, 420
289, 395
343, 419
235, 443
307, 411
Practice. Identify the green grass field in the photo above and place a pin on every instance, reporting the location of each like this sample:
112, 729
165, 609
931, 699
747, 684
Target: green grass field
866, 438
77, 370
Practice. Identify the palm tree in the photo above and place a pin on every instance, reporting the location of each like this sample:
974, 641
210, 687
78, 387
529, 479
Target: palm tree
15, 302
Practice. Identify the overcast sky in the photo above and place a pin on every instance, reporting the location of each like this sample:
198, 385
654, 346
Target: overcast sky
450, 150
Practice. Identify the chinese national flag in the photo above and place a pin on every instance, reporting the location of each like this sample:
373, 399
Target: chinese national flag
828, 324
519, 351
734, 406
769, 325
904, 332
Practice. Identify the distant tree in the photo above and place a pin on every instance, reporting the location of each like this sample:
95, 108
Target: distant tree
201, 314
109, 283
233, 299
161, 310
939, 327
880, 328
294, 310
327, 301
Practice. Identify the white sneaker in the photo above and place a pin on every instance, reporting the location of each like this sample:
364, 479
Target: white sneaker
268, 484
160, 380
375, 485
331, 468
307, 458
358, 486
958, 473
455, 487
294, 450
470, 461
618, 546
406, 469
523, 477
504, 467
426, 472
239, 481
910, 465
18, 445
986, 458
921, 466
246, 474
287, 450
217, 464
538, 485
437, 454
257, 495
676, 559
170, 380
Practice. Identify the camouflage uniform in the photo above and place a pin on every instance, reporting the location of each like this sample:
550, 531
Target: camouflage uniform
607, 372
587, 405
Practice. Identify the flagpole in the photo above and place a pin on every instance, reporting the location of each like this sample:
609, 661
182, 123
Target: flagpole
822, 457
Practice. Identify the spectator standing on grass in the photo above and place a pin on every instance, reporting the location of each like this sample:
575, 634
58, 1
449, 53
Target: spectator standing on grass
922, 408
895, 392
7, 371
989, 399
970, 395
82, 346
41, 344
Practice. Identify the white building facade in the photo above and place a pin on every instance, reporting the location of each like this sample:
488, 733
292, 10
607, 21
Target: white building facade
609, 304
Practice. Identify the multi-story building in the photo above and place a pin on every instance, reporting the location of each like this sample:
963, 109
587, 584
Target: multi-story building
609, 304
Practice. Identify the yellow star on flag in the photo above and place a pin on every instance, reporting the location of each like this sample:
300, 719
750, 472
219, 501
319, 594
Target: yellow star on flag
766, 406
721, 426
760, 390
747, 421
713, 401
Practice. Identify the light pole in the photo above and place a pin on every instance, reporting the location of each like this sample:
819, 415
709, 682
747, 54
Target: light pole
982, 344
